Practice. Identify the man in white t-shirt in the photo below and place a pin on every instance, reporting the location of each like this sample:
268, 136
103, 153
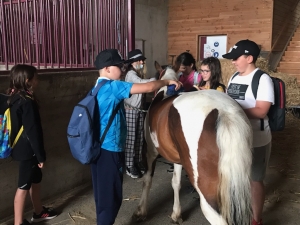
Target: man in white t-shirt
244, 55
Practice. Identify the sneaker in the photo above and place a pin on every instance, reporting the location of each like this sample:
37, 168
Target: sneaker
46, 214
25, 222
133, 172
171, 169
256, 223
140, 166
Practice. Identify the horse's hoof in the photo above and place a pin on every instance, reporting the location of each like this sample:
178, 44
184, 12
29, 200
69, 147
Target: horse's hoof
177, 220
138, 218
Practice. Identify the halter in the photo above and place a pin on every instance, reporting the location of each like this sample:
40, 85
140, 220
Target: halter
162, 73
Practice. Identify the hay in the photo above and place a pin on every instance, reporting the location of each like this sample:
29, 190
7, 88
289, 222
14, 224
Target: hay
291, 87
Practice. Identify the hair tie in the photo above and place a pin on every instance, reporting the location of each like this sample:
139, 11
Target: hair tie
29, 92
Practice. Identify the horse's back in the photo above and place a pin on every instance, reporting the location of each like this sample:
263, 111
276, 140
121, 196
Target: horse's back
177, 121
203, 102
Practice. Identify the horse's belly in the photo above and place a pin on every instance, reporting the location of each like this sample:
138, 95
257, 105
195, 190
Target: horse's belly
165, 144
170, 155
160, 131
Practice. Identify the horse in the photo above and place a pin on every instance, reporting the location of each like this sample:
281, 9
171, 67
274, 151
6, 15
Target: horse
207, 133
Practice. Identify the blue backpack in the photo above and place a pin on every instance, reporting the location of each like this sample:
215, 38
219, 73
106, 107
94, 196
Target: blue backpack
84, 128
6, 144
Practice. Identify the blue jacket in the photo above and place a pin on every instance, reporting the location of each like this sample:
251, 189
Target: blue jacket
108, 97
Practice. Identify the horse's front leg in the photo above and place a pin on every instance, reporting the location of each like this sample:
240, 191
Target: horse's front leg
176, 184
141, 212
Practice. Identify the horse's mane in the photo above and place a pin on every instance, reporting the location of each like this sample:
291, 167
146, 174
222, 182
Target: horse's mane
170, 74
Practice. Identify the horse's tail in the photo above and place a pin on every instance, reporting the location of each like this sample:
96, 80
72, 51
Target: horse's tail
234, 139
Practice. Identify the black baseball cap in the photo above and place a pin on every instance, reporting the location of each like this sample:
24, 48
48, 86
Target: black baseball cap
243, 47
108, 57
135, 55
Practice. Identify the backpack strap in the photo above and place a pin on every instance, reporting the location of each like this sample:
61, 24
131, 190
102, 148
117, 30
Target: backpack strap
94, 92
17, 137
110, 122
8, 120
255, 81
97, 88
9, 125
234, 75
254, 84
196, 75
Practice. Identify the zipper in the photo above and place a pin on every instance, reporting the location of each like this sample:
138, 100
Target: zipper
73, 136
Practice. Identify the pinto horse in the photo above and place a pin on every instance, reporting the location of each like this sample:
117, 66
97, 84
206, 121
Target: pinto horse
208, 134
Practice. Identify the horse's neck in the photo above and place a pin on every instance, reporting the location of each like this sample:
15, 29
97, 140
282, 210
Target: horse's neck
170, 74
164, 89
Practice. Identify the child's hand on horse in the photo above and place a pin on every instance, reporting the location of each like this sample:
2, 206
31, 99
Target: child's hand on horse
197, 87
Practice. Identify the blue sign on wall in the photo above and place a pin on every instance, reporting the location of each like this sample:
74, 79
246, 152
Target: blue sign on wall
216, 44
216, 54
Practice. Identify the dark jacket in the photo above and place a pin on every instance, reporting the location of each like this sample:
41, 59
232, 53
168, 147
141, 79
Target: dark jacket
24, 111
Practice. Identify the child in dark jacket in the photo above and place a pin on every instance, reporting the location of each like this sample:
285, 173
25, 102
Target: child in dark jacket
29, 149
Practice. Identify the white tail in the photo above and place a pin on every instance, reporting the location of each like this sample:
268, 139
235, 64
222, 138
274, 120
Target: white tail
234, 139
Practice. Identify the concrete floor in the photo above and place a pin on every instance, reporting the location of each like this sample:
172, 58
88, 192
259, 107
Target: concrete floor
282, 205
77, 206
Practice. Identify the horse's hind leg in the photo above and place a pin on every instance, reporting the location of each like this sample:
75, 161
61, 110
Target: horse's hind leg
176, 184
141, 212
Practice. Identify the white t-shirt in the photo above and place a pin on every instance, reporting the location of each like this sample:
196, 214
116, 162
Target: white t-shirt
240, 89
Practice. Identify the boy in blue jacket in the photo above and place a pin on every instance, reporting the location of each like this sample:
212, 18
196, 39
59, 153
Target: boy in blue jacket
107, 170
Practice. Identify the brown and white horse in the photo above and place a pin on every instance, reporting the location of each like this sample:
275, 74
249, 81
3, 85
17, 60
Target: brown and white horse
208, 134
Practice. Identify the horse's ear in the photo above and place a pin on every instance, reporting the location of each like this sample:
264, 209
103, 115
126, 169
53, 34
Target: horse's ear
157, 66
176, 67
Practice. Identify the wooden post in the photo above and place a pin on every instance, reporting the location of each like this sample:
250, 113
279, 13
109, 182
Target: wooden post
131, 25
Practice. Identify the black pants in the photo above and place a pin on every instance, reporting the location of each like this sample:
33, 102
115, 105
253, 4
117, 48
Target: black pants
107, 175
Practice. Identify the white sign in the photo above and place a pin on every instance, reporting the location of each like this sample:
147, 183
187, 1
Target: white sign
207, 51
215, 46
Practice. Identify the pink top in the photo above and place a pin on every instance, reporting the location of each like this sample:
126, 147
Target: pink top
188, 81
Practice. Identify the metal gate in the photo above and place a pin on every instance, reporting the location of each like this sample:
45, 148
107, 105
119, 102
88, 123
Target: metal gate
62, 33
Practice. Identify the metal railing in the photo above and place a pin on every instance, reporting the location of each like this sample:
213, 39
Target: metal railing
61, 33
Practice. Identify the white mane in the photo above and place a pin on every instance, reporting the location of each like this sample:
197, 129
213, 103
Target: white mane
170, 75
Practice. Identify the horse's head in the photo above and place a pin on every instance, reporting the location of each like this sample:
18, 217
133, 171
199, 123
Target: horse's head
165, 72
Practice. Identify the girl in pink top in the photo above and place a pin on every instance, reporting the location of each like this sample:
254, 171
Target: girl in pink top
188, 75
